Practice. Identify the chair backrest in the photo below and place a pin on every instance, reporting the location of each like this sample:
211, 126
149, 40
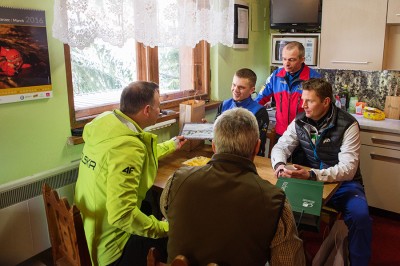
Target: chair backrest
67, 236
271, 135
153, 259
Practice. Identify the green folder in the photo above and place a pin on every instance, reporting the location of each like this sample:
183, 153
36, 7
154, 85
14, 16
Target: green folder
305, 198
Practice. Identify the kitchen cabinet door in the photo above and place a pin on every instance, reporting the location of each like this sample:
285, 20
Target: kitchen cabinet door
393, 13
380, 168
353, 34
392, 51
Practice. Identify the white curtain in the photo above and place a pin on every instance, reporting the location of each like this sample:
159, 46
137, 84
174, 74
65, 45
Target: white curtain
173, 23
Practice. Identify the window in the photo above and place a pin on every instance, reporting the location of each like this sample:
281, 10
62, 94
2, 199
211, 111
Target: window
97, 74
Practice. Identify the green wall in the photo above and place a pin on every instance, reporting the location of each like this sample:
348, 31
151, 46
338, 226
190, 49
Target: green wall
225, 61
33, 134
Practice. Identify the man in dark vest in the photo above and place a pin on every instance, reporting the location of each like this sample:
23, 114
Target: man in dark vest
224, 212
330, 138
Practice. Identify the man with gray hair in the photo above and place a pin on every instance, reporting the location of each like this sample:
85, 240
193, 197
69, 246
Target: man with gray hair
224, 212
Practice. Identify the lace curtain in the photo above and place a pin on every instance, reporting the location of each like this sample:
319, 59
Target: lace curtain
173, 23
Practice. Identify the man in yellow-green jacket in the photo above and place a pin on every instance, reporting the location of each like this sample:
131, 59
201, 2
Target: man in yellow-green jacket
118, 166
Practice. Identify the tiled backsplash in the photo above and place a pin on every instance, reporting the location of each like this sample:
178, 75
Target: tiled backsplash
371, 87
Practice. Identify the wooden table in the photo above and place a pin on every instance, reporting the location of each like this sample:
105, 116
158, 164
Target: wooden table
168, 165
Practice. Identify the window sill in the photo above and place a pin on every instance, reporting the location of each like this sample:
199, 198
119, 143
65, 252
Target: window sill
75, 140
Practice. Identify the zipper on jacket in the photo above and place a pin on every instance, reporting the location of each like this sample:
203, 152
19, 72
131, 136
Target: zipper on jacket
152, 149
297, 106
288, 115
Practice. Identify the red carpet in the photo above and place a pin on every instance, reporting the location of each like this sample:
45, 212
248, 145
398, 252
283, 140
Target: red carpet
385, 239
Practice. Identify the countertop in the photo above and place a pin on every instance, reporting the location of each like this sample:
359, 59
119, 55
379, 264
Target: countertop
387, 125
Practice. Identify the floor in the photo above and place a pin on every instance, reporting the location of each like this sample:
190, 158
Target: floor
385, 235
42, 259
385, 244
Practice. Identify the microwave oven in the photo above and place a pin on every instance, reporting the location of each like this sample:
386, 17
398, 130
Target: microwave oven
310, 46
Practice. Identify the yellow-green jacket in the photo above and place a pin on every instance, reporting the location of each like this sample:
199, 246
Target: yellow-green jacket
118, 166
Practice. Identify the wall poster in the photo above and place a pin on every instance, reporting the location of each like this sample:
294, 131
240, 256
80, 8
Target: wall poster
241, 30
24, 56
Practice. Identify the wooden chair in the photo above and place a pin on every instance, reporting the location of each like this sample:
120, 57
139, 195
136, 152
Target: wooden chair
67, 236
329, 216
153, 259
271, 135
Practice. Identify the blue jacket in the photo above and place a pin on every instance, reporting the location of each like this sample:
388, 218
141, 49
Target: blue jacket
288, 98
259, 112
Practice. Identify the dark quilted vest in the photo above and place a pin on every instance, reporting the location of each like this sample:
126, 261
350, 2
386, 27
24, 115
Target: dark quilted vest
325, 152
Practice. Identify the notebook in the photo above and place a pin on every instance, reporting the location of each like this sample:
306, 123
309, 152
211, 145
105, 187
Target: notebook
305, 198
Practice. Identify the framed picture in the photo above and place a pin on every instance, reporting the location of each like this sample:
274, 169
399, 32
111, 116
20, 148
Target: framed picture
241, 30
24, 56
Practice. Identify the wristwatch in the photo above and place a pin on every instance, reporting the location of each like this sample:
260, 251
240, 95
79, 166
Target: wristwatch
312, 176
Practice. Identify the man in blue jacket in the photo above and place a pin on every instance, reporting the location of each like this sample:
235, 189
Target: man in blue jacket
284, 85
243, 86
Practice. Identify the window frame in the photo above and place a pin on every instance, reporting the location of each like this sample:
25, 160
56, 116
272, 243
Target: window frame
147, 69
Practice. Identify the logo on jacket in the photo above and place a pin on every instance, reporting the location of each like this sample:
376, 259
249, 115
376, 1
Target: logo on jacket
88, 161
128, 170
326, 140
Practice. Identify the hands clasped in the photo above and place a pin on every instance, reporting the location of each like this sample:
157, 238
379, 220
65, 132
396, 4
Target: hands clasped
292, 171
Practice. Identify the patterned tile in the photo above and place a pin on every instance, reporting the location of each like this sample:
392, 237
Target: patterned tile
371, 87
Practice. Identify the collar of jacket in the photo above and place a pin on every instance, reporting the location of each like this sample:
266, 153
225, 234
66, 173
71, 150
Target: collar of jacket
126, 120
304, 72
237, 161
329, 121
248, 104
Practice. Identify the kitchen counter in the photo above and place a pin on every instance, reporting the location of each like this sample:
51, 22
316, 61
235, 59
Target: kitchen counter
387, 125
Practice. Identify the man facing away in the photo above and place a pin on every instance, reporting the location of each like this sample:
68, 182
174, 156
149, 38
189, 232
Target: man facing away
118, 166
330, 139
224, 212
243, 85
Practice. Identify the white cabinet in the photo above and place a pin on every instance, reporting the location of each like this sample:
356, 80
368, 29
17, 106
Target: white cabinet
353, 34
380, 168
393, 13
392, 43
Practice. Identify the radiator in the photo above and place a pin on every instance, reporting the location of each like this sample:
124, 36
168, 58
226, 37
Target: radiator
23, 225
160, 125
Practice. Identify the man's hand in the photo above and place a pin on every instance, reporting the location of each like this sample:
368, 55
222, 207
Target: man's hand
299, 173
280, 170
179, 141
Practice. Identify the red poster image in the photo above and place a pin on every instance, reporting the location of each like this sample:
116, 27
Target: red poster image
24, 56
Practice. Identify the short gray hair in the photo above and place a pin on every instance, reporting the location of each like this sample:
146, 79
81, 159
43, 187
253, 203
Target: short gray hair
291, 45
236, 132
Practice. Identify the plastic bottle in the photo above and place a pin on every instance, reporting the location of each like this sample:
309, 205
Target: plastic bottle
337, 103
352, 105
344, 98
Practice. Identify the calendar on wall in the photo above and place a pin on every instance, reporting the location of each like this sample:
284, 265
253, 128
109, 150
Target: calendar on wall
24, 55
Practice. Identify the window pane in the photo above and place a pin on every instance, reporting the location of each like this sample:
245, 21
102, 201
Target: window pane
169, 70
100, 72
175, 69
